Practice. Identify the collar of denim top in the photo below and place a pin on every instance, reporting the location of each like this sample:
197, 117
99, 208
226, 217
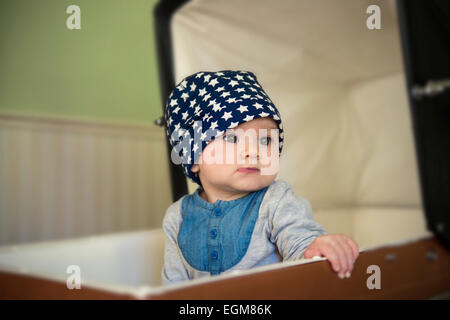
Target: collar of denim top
215, 237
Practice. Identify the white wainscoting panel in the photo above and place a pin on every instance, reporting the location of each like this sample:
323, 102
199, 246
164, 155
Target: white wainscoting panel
64, 178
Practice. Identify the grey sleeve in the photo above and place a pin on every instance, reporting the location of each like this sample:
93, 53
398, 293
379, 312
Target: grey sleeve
173, 269
293, 227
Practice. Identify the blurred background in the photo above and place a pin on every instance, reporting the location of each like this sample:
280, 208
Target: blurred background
79, 153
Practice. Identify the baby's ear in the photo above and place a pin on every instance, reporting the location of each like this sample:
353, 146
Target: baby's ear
195, 168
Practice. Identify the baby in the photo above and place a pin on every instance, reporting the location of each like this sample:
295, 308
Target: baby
227, 135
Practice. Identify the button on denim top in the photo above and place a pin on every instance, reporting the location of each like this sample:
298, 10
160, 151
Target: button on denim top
215, 237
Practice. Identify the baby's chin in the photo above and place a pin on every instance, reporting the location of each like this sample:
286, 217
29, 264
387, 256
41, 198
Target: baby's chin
252, 183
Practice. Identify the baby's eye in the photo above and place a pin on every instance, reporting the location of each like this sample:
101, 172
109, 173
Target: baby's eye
231, 138
265, 140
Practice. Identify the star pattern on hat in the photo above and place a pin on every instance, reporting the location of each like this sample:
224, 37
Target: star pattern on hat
206, 104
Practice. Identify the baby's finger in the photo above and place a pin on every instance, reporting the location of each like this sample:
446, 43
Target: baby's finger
343, 258
354, 246
328, 251
347, 256
334, 255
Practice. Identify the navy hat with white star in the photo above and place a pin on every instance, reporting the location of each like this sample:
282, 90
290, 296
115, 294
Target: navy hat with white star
206, 104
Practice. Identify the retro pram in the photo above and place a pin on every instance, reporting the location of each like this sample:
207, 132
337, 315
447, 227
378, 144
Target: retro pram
367, 143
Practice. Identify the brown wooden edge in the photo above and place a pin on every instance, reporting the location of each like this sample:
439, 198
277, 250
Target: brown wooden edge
416, 270
15, 286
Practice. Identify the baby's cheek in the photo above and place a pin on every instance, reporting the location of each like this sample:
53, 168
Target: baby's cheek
220, 173
266, 157
230, 154
270, 165
212, 154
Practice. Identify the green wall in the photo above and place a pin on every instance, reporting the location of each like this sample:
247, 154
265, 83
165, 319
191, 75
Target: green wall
107, 70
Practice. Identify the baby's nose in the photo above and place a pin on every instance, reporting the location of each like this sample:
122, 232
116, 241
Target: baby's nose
250, 149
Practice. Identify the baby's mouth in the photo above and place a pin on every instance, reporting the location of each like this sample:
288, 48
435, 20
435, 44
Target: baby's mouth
248, 170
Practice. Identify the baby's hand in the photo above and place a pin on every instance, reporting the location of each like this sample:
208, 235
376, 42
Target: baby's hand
340, 250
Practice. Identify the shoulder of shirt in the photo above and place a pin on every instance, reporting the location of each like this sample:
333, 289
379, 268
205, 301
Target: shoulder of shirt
278, 187
280, 191
276, 191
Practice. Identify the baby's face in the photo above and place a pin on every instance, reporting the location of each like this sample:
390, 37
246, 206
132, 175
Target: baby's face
242, 160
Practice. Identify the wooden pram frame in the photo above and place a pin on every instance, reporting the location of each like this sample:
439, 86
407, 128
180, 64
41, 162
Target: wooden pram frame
414, 270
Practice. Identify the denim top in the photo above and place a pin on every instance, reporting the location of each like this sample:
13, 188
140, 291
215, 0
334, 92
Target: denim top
214, 237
